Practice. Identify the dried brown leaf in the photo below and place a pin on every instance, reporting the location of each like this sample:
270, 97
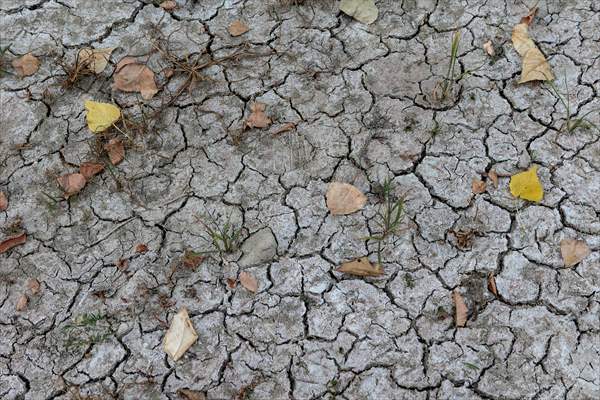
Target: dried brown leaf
187, 394
26, 65
361, 267
491, 282
231, 283
257, 117
494, 177
180, 336
22, 303
535, 67
3, 201
248, 281
237, 28
573, 251
478, 186
115, 150
133, 77
290, 126
489, 48
168, 5
90, 169
95, 60
34, 286
141, 248
12, 241
460, 309
192, 259
71, 183
122, 264
343, 198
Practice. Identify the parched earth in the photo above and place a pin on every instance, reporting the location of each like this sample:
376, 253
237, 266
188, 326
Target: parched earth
366, 104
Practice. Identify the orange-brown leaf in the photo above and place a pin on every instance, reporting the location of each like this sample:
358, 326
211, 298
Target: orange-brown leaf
34, 286
3, 201
187, 394
26, 65
573, 251
237, 28
248, 281
115, 150
90, 169
12, 241
460, 309
361, 267
134, 77
491, 282
22, 303
168, 5
343, 198
257, 117
493, 175
477, 186
141, 248
71, 183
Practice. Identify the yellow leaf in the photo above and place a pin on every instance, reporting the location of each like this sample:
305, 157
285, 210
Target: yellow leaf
101, 116
535, 67
527, 185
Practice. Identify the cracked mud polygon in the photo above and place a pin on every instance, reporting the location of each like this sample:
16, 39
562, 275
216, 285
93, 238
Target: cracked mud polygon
361, 106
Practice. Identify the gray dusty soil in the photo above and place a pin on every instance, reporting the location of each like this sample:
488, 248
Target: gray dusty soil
361, 98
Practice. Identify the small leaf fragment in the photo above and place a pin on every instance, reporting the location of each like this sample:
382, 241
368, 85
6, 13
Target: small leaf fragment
237, 28
248, 281
489, 48
168, 5
493, 175
573, 251
3, 201
95, 60
491, 284
361, 267
90, 169
460, 309
26, 65
34, 286
12, 241
364, 11
535, 67
289, 126
343, 198
101, 116
71, 183
180, 336
231, 283
477, 186
115, 150
22, 303
527, 185
187, 394
133, 77
192, 259
141, 248
257, 117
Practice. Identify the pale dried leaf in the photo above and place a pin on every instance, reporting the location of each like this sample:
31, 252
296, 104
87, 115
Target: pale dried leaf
115, 150
248, 281
95, 60
343, 198
90, 169
180, 336
238, 28
460, 309
493, 175
26, 65
133, 77
34, 286
573, 251
364, 11
168, 5
3, 201
22, 303
12, 241
71, 183
477, 186
535, 67
289, 126
489, 48
361, 267
257, 117
491, 282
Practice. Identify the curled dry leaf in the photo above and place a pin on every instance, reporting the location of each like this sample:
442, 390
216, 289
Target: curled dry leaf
535, 67
477, 186
343, 198
3, 201
489, 48
573, 251
187, 394
71, 183
12, 241
491, 282
141, 248
26, 65
460, 309
527, 185
180, 336
238, 28
364, 11
95, 60
115, 150
257, 117
168, 5
361, 267
22, 303
133, 77
34, 286
231, 283
90, 169
493, 175
248, 281
101, 116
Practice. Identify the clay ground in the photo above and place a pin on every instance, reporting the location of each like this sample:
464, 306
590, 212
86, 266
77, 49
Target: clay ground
361, 98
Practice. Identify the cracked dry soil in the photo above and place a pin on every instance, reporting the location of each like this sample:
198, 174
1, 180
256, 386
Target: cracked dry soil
361, 98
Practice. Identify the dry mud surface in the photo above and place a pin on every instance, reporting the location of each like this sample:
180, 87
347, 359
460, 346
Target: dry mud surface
361, 98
